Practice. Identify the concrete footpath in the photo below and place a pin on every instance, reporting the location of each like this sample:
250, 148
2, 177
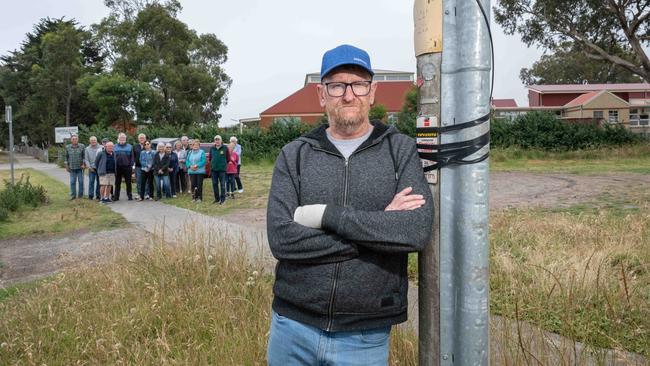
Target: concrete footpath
508, 338
163, 219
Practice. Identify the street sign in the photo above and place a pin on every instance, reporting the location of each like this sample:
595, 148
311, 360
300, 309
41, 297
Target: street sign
8, 113
62, 133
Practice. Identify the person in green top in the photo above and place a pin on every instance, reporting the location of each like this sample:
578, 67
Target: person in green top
218, 161
74, 164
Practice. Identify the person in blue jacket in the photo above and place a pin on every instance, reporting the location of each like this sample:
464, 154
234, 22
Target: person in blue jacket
146, 177
196, 170
124, 160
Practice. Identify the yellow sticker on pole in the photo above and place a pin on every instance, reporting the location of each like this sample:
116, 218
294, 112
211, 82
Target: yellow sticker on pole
427, 16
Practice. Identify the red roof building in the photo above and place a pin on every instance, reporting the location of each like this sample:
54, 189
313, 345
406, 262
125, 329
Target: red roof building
625, 104
303, 105
560, 95
504, 103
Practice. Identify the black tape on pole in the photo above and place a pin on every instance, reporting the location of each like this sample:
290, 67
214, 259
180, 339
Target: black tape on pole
453, 153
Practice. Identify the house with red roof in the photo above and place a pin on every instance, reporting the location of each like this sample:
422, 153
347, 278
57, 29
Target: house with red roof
303, 104
626, 104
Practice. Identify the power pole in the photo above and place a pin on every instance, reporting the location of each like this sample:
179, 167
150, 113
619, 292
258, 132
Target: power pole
8, 119
453, 50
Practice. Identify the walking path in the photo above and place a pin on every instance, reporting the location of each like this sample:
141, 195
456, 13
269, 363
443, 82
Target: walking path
166, 220
506, 335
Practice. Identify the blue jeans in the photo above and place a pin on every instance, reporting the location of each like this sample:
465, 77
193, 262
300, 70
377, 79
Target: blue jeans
76, 176
139, 181
230, 183
164, 179
219, 185
294, 343
93, 184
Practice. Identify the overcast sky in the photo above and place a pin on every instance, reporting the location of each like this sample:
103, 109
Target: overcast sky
273, 44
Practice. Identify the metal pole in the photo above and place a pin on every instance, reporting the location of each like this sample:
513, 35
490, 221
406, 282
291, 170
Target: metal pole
454, 270
464, 271
9, 119
428, 48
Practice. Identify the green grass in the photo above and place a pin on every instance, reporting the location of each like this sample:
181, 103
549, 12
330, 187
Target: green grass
630, 159
16, 290
256, 179
59, 215
4, 157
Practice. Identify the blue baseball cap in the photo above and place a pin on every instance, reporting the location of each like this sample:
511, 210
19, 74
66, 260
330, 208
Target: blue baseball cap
345, 55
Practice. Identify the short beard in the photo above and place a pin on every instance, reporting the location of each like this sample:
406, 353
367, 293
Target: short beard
345, 125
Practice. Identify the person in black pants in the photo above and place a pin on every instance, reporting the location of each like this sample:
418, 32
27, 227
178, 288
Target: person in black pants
196, 170
124, 161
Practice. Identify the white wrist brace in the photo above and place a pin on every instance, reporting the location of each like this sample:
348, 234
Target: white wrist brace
310, 215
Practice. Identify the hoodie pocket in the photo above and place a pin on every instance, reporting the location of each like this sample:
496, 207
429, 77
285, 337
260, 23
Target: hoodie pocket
370, 284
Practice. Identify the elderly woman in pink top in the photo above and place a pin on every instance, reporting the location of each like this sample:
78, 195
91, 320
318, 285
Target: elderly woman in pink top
231, 171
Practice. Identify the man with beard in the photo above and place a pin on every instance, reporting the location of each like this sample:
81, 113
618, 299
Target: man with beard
348, 202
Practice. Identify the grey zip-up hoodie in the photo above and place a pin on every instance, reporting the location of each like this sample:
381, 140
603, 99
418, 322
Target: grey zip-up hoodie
352, 273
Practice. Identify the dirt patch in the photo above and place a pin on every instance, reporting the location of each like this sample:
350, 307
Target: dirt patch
31, 258
516, 189
511, 189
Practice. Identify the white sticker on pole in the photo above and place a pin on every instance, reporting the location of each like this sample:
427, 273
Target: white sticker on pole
427, 138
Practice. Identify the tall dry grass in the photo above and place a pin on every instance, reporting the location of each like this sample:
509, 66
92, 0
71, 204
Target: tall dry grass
197, 302
186, 304
584, 275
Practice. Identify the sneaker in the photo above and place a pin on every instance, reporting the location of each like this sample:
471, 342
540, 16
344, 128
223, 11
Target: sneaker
221, 202
130, 198
199, 200
241, 190
173, 196
73, 198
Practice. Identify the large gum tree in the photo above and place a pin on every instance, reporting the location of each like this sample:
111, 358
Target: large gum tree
615, 32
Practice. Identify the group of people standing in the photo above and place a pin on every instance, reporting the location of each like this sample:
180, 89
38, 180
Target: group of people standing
171, 170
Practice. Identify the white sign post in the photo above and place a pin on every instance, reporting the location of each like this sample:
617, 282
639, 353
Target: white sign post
62, 133
8, 119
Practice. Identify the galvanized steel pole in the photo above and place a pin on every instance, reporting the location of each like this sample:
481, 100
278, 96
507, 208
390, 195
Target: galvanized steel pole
465, 84
9, 120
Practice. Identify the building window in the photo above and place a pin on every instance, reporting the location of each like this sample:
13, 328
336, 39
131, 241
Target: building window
639, 116
598, 115
286, 121
398, 77
613, 117
314, 79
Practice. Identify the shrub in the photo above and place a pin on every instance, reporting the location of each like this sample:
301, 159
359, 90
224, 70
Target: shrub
544, 131
23, 193
4, 214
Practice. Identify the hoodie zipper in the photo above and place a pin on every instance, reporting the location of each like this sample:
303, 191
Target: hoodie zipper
337, 266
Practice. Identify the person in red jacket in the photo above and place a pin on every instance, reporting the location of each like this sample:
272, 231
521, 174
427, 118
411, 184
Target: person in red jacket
231, 171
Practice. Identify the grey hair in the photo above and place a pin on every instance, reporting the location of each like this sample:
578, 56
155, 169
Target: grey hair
233, 139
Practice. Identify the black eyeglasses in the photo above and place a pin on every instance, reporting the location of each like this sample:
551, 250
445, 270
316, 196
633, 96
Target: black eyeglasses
337, 89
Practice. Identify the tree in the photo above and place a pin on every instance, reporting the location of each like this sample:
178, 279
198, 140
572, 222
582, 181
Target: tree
601, 29
571, 66
61, 65
378, 111
409, 113
120, 99
39, 79
150, 44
